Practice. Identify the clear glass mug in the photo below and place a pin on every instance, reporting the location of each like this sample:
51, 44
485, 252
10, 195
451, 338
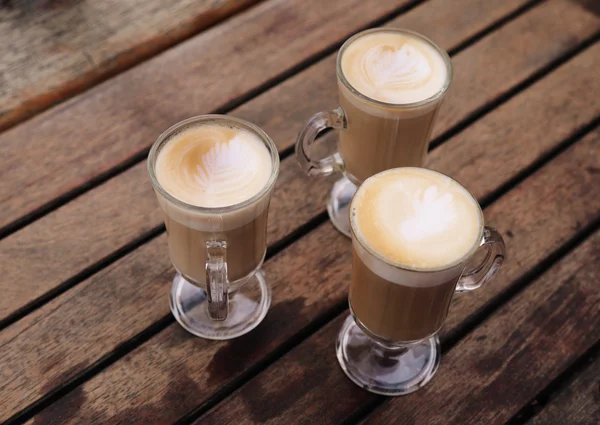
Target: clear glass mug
219, 291
389, 344
374, 136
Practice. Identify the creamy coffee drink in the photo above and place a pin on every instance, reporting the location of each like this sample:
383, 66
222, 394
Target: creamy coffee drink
394, 83
413, 230
214, 170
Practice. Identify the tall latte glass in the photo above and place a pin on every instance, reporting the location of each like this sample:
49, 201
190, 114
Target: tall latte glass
213, 176
391, 83
415, 233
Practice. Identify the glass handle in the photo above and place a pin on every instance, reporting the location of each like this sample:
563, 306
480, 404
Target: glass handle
476, 275
308, 136
216, 280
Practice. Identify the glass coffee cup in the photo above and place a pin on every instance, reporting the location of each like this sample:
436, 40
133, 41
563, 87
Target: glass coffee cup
417, 238
391, 83
217, 249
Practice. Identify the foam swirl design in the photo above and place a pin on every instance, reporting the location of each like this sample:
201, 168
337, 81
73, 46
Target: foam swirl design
417, 217
394, 67
432, 213
214, 166
385, 66
224, 168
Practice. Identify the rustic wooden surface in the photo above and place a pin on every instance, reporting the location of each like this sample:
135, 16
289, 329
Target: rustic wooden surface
288, 202
514, 354
580, 401
300, 304
485, 378
115, 227
86, 335
54, 49
122, 117
108, 234
307, 387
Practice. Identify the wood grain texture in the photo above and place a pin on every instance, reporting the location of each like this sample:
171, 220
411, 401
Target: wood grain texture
113, 226
440, 20
55, 49
493, 372
110, 123
506, 67
577, 404
295, 389
308, 281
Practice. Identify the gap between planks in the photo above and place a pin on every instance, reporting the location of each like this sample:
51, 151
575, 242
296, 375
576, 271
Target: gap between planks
321, 217
520, 285
251, 94
141, 156
323, 319
556, 387
453, 338
149, 49
487, 108
223, 109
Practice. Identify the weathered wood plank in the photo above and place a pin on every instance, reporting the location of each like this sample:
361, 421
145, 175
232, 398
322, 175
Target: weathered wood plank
484, 379
509, 359
93, 132
505, 68
307, 282
579, 403
53, 50
448, 25
41, 244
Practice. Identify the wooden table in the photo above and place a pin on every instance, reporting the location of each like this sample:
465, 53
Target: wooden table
86, 333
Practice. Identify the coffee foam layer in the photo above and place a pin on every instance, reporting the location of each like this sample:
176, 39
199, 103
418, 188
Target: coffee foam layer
394, 67
213, 166
405, 277
416, 218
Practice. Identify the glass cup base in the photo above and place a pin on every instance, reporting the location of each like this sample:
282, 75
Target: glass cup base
385, 371
338, 205
248, 306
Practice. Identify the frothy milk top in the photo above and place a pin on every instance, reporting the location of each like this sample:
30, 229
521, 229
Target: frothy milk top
213, 165
394, 67
416, 217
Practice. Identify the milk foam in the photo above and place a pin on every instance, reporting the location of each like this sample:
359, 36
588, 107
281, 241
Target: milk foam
213, 166
417, 218
394, 67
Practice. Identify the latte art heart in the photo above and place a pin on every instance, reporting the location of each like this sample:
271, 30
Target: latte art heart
386, 66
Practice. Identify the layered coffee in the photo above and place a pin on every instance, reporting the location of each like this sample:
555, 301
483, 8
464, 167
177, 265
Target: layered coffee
394, 83
218, 175
413, 229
